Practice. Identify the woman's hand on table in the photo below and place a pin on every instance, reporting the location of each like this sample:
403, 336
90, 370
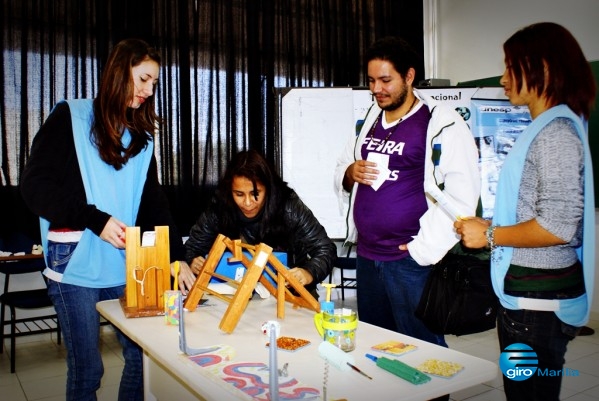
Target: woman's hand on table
302, 275
186, 277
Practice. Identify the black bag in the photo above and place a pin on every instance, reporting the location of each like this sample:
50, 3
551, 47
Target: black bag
458, 297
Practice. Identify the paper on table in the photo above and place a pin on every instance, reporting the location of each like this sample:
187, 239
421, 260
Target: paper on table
394, 347
253, 378
382, 164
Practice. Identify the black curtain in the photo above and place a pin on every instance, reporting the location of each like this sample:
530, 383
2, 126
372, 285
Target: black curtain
221, 61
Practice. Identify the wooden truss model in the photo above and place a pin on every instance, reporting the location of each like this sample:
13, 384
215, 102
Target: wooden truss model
148, 273
261, 254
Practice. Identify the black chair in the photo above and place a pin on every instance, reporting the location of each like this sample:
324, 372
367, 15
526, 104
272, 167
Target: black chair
25, 299
345, 263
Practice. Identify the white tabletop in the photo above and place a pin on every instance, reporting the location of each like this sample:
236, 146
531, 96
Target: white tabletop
161, 342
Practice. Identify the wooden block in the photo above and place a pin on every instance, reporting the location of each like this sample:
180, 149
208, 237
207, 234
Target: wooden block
246, 287
281, 288
305, 299
147, 273
236, 251
261, 255
202, 280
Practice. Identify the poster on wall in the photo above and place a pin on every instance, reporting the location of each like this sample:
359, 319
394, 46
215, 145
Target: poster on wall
496, 125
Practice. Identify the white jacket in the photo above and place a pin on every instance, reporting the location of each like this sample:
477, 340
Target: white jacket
457, 170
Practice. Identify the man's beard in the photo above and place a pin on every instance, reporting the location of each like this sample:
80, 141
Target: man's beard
399, 101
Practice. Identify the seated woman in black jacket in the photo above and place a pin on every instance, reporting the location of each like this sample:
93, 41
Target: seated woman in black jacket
254, 204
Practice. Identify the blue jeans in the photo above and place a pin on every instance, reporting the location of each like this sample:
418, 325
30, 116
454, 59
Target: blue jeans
388, 294
548, 337
80, 326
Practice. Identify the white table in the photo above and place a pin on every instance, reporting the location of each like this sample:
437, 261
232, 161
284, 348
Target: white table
171, 375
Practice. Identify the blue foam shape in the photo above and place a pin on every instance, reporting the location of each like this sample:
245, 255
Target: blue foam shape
228, 269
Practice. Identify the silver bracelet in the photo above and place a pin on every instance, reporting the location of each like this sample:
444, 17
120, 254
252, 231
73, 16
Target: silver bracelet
490, 233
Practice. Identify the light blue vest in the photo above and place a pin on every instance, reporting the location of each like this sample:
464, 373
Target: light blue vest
571, 311
95, 263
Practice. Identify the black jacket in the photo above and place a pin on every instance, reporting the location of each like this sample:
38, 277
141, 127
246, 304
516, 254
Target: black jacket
302, 237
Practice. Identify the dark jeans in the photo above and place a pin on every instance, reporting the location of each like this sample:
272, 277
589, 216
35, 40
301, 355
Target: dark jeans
80, 326
548, 336
388, 294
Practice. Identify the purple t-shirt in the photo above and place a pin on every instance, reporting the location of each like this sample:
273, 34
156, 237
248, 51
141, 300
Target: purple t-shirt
390, 216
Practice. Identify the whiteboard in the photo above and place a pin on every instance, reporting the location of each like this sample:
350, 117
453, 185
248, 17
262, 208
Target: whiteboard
316, 124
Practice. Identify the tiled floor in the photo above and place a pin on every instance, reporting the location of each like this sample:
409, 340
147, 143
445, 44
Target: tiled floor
41, 369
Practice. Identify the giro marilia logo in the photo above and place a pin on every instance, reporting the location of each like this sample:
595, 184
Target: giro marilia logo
519, 362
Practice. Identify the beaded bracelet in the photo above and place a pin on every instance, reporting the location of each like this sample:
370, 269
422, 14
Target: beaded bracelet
490, 234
